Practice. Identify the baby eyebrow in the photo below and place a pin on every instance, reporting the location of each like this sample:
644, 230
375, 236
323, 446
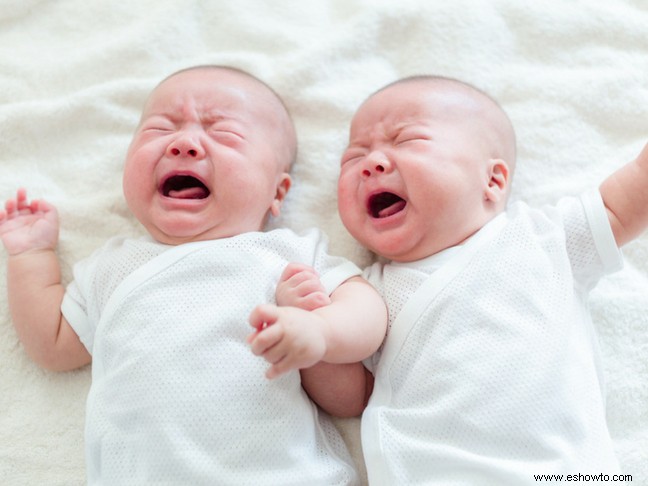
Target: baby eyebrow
409, 125
213, 118
351, 153
355, 149
156, 119
356, 144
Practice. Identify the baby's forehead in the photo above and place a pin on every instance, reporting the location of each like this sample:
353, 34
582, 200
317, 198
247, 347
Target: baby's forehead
400, 104
425, 100
212, 95
429, 93
209, 85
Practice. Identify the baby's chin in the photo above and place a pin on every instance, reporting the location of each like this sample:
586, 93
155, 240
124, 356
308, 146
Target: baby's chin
394, 249
190, 228
178, 232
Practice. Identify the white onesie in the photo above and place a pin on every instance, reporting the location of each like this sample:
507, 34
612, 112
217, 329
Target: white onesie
490, 372
177, 397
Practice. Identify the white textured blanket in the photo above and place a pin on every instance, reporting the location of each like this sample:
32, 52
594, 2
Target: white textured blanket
73, 75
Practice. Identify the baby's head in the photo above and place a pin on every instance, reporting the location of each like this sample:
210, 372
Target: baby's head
210, 157
429, 162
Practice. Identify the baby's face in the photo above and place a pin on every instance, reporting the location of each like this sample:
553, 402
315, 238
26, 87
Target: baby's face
204, 162
413, 177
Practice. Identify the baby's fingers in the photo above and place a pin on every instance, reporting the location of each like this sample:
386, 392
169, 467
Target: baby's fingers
21, 199
11, 206
301, 287
284, 360
17, 204
294, 269
20, 205
278, 369
263, 341
263, 316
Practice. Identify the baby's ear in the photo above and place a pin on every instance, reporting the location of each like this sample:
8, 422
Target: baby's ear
282, 189
498, 180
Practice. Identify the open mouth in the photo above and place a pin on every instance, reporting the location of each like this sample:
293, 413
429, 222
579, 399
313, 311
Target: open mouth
385, 204
184, 187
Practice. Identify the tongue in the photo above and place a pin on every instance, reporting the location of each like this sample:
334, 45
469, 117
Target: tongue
393, 209
188, 193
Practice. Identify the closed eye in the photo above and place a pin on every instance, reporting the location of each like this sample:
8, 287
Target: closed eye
411, 138
218, 132
158, 124
157, 128
226, 137
352, 154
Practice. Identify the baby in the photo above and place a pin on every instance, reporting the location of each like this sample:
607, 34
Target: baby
490, 371
177, 397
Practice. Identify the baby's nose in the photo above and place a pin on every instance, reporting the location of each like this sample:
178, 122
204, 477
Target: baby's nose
190, 152
376, 163
186, 146
378, 168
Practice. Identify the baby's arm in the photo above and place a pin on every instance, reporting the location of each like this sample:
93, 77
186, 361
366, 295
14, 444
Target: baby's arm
29, 232
625, 195
340, 389
349, 329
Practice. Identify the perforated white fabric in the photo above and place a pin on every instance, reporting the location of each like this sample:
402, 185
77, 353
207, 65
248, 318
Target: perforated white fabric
490, 373
177, 396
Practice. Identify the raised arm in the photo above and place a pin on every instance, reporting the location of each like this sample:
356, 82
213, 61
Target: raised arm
29, 232
625, 195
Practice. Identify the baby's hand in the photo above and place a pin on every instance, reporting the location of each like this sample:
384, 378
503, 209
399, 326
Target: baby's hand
27, 226
300, 286
287, 337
